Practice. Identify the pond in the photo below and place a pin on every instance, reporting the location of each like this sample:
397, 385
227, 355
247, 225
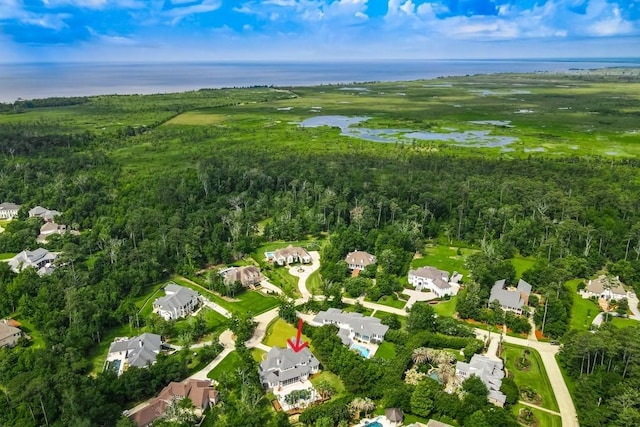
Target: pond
469, 138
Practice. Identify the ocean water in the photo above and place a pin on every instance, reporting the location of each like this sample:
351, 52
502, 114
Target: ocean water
29, 81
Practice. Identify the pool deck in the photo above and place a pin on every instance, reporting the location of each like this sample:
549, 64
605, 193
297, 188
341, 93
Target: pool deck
381, 419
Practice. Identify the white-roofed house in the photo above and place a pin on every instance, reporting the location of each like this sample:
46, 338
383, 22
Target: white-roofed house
490, 371
434, 280
178, 302
8, 210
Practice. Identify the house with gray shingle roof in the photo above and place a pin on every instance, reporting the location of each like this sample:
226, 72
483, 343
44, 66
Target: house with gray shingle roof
358, 260
353, 326
490, 371
44, 213
178, 302
434, 280
40, 259
8, 210
140, 351
512, 299
283, 366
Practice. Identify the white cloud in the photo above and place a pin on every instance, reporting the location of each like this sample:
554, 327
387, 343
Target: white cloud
179, 12
612, 25
97, 4
50, 21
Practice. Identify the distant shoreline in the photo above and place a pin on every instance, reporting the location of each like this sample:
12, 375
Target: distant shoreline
46, 80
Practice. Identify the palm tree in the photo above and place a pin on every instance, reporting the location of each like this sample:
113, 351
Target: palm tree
368, 405
325, 389
356, 406
420, 355
446, 373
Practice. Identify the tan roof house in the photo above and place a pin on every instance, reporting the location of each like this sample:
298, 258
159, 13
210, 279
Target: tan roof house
49, 228
358, 260
9, 334
291, 254
44, 213
605, 287
247, 275
201, 393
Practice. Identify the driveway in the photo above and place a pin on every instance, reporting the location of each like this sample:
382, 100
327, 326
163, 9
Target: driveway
633, 306
226, 339
302, 272
270, 286
215, 307
261, 329
415, 296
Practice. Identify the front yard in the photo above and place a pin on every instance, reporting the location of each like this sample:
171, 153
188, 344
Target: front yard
279, 332
228, 364
528, 371
583, 311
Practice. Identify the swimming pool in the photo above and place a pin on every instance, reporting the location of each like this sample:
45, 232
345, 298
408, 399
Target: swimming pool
374, 424
270, 255
364, 352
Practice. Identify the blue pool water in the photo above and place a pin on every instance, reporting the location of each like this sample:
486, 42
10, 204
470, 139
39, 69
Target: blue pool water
364, 352
270, 255
374, 424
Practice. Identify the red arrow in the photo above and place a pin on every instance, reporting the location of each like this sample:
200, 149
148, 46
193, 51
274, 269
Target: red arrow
298, 345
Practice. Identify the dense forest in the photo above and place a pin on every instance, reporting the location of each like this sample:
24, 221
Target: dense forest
156, 199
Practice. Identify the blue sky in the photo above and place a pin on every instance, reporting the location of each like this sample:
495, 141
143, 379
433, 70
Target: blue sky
180, 30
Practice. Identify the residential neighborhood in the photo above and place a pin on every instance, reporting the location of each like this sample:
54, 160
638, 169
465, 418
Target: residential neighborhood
44, 213
359, 260
490, 371
283, 367
289, 255
248, 275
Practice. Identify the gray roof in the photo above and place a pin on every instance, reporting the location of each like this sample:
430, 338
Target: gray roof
45, 213
440, 278
141, 350
8, 206
7, 331
360, 258
283, 364
31, 258
490, 371
507, 298
294, 251
177, 297
355, 321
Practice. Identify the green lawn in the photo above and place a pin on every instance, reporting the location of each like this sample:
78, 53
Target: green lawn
522, 264
332, 379
446, 308
279, 332
583, 311
381, 315
99, 353
622, 322
27, 327
6, 255
352, 309
252, 301
227, 364
258, 354
545, 419
535, 377
444, 257
386, 350
314, 283
281, 277
391, 302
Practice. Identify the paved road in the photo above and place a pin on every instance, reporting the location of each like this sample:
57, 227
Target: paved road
261, 329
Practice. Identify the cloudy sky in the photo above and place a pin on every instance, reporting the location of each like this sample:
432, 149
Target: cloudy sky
179, 30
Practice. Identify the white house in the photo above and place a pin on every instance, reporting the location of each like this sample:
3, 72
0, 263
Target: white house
178, 302
140, 351
434, 280
291, 254
8, 210
353, 326
283, 366
511, 299
40, 259
491, 373
358, 260
605, 287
